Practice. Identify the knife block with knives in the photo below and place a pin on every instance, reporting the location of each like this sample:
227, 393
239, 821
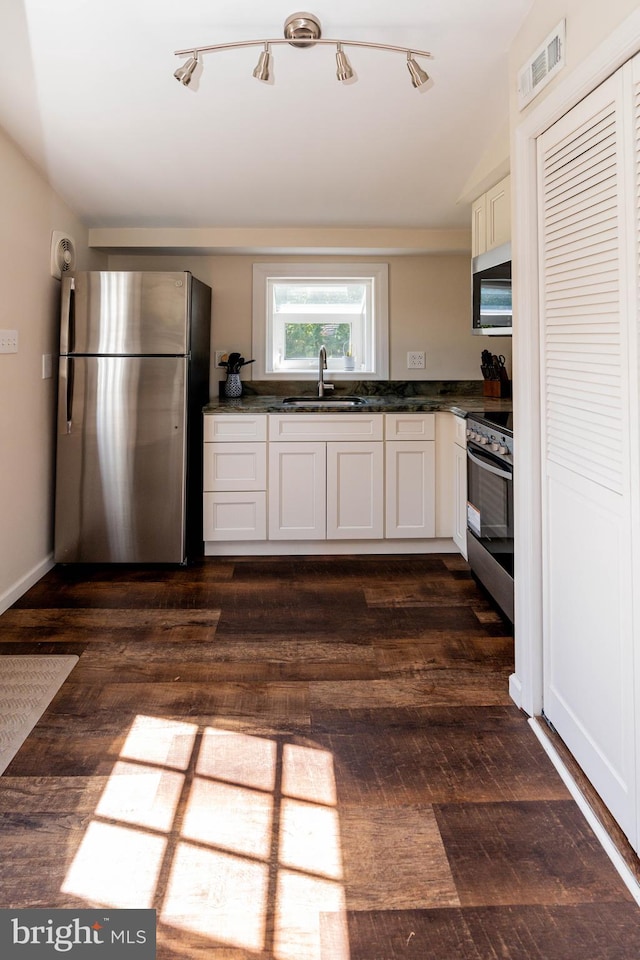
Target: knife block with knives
496, 379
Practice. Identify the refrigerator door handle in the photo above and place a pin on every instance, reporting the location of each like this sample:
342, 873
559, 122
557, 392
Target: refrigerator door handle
65, 409
67, 316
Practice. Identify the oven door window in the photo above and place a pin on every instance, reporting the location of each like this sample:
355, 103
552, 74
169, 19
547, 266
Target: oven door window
490, 497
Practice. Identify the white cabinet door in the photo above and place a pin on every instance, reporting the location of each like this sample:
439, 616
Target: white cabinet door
410, 500
491, 218
479, 226
499, 214
297, 491
460, 498
355, 490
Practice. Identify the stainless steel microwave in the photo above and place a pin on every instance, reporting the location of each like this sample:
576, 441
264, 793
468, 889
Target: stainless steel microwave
491, 292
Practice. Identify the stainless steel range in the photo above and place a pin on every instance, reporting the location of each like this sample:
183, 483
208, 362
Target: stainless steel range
490, 504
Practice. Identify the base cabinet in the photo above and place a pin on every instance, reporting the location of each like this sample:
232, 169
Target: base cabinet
460, 486
322, 477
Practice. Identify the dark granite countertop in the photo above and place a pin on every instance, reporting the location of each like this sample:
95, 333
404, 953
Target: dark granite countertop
389, 403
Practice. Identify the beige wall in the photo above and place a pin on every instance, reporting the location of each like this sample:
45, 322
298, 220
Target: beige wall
30, 211
429, 309
493, 165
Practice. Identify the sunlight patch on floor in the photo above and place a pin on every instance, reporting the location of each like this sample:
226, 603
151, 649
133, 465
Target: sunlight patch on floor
219, 830
229, 817
116, 866
217, 895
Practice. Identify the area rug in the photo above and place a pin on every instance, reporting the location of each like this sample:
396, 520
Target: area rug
27, 687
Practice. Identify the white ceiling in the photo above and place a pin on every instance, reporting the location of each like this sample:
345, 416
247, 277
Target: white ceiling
87, 90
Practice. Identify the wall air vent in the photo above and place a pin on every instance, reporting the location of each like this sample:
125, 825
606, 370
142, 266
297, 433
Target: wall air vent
542, 66
63, 254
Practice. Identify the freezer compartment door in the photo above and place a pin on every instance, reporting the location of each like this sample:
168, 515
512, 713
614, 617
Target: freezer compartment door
120, 468
125, 313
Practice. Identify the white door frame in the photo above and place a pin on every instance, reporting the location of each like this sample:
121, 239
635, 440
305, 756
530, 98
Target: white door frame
526, 684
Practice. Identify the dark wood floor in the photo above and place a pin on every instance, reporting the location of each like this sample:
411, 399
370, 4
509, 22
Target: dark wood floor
294, 759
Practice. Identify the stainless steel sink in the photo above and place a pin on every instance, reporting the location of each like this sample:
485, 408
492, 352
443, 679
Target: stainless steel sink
327, 400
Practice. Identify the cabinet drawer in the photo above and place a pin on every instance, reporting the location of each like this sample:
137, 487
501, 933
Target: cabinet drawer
235, 516
235, 427
330, 426
235, 466
410, 426
460, 431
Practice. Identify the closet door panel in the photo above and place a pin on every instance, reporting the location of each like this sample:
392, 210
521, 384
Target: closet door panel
584, 233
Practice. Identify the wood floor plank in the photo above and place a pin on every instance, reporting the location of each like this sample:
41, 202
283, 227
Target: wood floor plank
437, 755
526, 852
417, 657
576, 932
412, 935
50, 794
372, 837
422, 593
599, 931
440, 687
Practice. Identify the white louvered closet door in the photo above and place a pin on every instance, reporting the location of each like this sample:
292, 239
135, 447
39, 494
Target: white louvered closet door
588, 348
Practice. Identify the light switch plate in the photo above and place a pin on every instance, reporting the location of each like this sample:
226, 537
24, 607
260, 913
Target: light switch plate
47, 366
8, 341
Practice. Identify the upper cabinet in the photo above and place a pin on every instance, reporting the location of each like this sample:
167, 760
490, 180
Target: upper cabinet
491, 218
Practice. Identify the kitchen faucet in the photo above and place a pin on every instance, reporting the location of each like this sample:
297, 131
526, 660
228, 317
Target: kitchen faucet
322, 366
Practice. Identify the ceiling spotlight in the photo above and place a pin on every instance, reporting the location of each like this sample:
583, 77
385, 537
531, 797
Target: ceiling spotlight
185, 72
300, 30
418, 75
263, 67
344, 71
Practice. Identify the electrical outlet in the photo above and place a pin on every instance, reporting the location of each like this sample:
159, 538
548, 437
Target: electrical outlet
415, 360
8, 341
219, 355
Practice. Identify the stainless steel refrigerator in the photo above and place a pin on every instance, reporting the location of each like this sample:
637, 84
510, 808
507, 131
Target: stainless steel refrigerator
133, 378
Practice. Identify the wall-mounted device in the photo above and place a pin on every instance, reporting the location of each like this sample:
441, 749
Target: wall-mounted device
491, 295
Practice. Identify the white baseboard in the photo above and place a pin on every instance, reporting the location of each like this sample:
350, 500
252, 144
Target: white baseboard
515, 690
314, 548
601, 834
25, 583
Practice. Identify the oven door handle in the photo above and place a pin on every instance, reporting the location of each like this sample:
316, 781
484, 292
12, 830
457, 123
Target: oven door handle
507, 474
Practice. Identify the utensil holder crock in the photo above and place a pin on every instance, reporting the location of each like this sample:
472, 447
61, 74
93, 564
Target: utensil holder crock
233, 385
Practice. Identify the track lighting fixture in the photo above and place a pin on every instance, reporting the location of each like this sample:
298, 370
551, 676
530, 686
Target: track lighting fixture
185, 72
344, 71
300, 30
418, 75
263, 67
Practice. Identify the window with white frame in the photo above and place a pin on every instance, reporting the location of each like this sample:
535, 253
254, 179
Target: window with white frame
300, 307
